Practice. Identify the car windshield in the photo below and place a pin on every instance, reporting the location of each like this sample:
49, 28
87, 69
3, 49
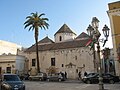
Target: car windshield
11, 78
91, 74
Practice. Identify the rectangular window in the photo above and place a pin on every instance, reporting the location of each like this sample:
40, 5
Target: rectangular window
8, 69
33, 62
52, 61
60, 38
62, 65
76, 70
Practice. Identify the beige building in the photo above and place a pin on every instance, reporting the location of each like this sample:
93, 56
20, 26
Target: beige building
10, 61
67, 54
12, 64
114, 16
108, 61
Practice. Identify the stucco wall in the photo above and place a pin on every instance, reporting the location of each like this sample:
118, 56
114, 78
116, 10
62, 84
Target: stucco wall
14, 61
80, 57
65, 36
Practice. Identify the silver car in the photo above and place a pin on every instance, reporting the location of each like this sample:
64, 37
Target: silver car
55, 77
41, 76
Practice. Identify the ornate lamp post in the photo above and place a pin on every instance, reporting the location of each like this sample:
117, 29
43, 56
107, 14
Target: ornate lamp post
95, 34
90, 29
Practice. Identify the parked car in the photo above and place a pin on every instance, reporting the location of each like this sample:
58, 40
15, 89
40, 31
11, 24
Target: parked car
107, 78
89, 75
11, 82
56, 77
41, 76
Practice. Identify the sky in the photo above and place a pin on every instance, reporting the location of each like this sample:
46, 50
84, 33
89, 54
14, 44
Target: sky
77, 14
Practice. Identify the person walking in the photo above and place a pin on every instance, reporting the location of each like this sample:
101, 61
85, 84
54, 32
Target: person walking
85, 73
65, 75
79, 74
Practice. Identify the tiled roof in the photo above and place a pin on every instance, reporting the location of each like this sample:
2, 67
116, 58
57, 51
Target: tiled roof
64, 29
62, 45
45, 40
83, 35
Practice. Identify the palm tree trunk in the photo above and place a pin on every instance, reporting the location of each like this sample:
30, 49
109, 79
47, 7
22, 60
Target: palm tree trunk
37, 56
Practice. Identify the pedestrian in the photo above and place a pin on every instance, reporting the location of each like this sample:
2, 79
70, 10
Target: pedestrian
85, 73
65, 75
79, 74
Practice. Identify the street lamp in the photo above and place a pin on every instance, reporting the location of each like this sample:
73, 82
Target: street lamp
95, 22
90, 30
106, 33
95, 34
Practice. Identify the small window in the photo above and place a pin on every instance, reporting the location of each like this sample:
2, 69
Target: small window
62, 65
75, 57
33, 62
60, 38
76, 70
52, 61
8, 69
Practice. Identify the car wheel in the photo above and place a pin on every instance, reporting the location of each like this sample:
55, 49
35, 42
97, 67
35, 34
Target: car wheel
88, 82
59, 80
111, 82
1, 88
23, 88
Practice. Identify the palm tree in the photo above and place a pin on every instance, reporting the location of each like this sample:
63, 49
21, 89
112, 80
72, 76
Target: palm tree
34, 22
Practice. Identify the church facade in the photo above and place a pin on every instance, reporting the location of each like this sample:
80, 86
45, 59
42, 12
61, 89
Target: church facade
67, 53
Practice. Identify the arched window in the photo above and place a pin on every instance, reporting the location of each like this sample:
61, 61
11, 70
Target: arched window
60, 38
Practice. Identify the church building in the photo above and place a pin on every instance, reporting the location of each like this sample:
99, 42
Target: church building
67, 53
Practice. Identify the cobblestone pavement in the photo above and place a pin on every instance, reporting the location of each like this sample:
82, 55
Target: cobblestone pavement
68, 85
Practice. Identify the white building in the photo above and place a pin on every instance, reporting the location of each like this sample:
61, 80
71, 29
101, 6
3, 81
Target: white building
8, 47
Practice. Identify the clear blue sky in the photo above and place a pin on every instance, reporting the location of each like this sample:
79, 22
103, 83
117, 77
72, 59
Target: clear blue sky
77, 14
